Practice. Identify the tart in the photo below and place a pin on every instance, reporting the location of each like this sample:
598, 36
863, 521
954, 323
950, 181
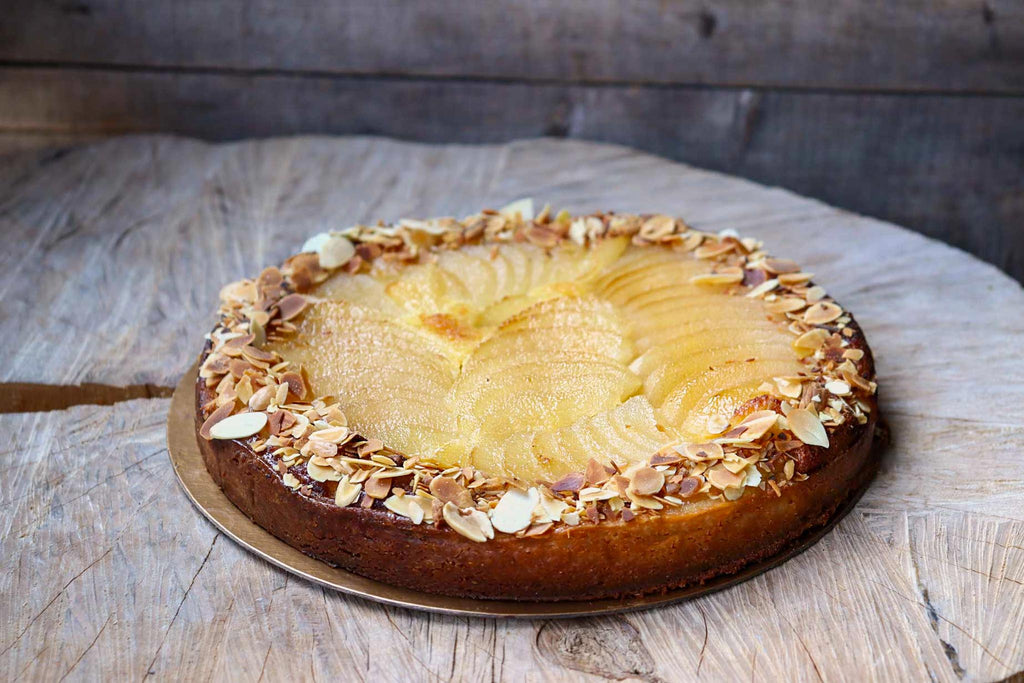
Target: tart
536, 407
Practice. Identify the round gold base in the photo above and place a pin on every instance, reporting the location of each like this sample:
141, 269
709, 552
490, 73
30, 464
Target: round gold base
211, 501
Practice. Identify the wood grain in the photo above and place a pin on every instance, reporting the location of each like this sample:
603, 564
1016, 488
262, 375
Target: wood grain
953, 45
106, 571
951, 167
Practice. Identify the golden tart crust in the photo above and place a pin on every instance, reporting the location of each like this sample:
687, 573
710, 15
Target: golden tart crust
779, 465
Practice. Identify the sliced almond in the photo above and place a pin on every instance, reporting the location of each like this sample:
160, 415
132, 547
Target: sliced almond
790, 387
261, 399
296, 385
447, 490
335, 252
377, 486
757, 423
472, 524
291, 481
722, 478
785, 304
701, 452
239, 426
335, 435
821, 313
347, 492
810, 341
410, 507
521, 207
549, 510
838, 387
592, 494
291, 305
515, 510
216, 416
322, 473
806, 426
647, 481
325, 449
596, 473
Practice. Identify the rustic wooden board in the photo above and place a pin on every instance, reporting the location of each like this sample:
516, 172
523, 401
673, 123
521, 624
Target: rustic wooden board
107, 572
960, 45
950, 166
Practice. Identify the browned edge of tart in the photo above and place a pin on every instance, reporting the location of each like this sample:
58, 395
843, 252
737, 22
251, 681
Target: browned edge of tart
654, 552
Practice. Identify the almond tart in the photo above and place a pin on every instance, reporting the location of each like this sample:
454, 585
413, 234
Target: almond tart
536, 407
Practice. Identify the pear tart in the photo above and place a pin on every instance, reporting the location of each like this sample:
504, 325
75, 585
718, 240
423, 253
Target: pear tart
536, 407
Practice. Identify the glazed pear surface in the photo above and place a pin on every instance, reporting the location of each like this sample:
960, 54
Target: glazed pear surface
527, 362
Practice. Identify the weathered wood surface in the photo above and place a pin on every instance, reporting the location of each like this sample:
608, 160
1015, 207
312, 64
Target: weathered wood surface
953, 45
107, 572
951, 167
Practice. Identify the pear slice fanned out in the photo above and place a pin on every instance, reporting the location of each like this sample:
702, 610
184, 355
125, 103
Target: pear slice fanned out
529, 362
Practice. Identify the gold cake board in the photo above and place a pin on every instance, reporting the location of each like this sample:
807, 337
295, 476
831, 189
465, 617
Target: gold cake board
211, 501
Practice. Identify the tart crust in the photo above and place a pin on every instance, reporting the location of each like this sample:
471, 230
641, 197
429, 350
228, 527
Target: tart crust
688, 543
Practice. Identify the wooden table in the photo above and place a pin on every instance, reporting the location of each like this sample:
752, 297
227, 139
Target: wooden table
113, 256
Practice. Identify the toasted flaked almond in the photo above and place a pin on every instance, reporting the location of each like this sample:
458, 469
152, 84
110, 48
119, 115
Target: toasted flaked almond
853, 354
710, 250
639, 500
369, 447
261, 399
523, 208
296, 385
322, 472
754, 477
763, 288
647, 481
701, 452
658, 226
377, 486
838, 387
472, 524
291, 305
797, 278
717, 424
810, 341
822, 312
571, 482
412, 508
335, 435
722, 478
757, 423
789, 469
220, 414
593, 494
721, 278
251, 353
790, 387
325, 449
806, 426
815, 293
515, 510
335, 251
447, 490
596, 473
239, 426
785, 304
347, 492
549, 510
291, 481
777, 265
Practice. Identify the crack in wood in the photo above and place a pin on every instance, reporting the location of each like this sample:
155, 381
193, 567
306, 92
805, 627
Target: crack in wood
27, 397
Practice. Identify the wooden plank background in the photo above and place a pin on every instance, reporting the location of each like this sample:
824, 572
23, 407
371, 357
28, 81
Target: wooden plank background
909, 111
